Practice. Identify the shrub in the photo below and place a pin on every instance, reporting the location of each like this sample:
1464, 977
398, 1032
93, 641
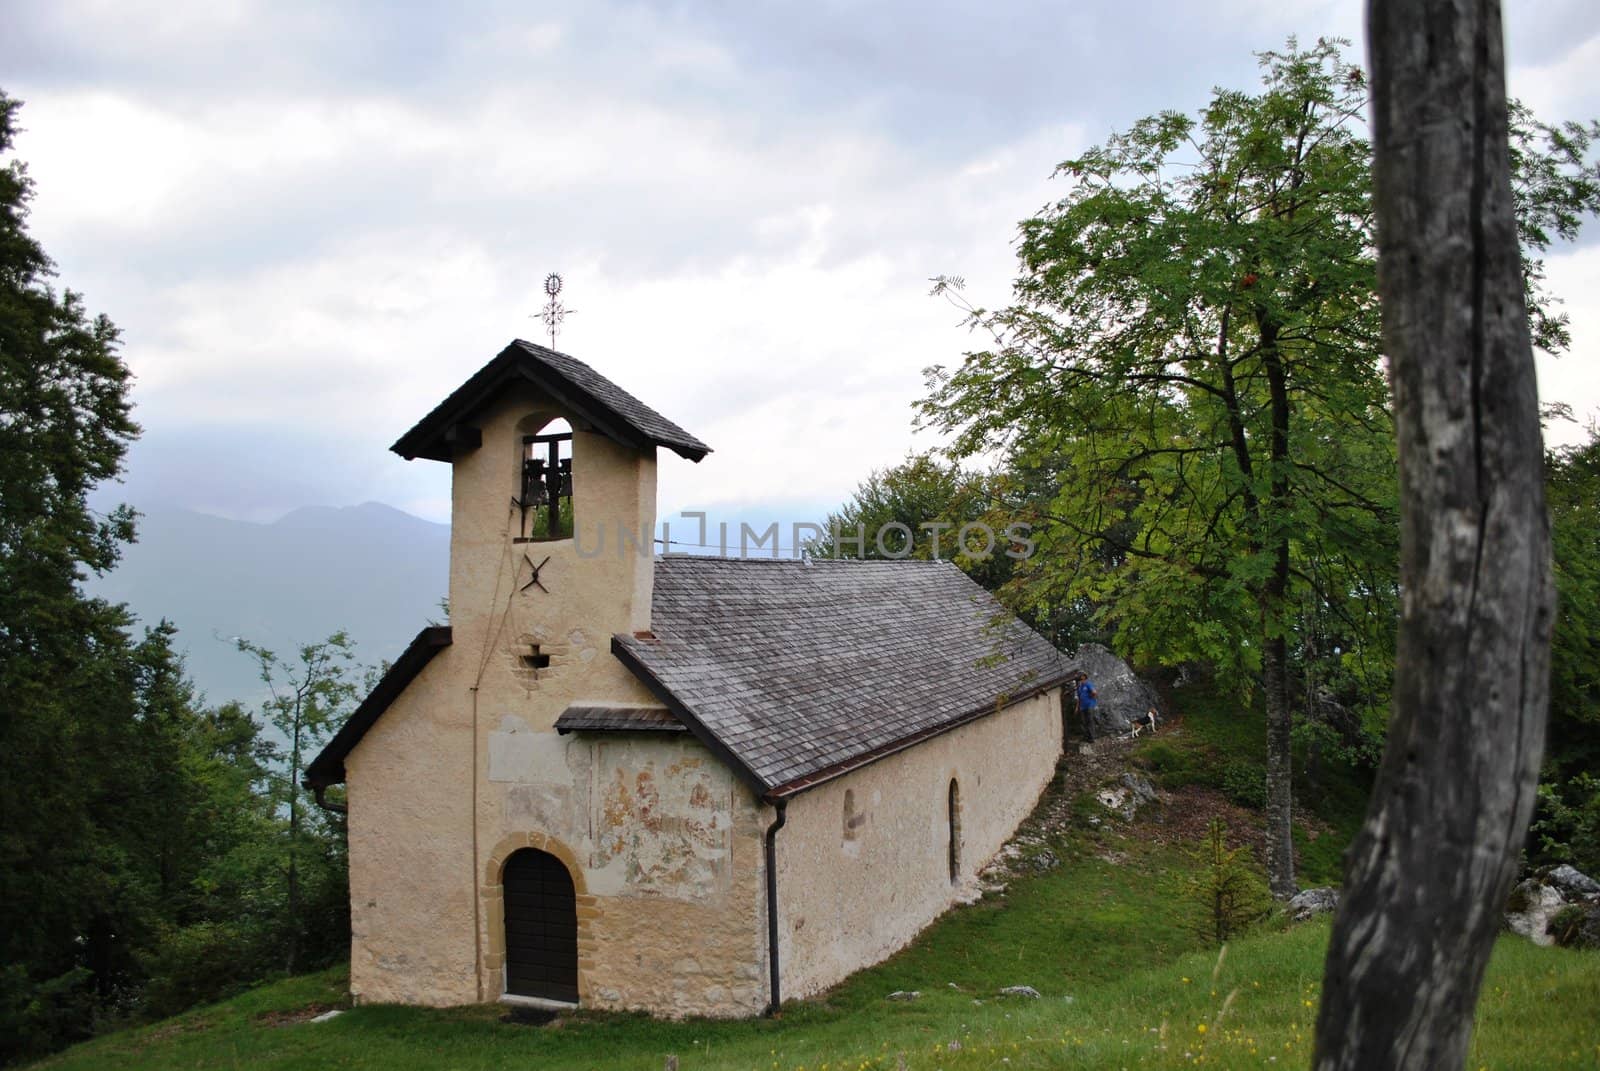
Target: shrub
1245, 783
200, 963
1230, 894
1566, 826
1173, 767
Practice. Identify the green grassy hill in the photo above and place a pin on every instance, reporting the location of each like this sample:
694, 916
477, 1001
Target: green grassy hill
1107, 938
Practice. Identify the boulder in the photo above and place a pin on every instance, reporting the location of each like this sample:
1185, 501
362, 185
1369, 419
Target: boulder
1572, 883
1531, 907
1313, 902
1122, 695
1140, 790
1577, 926
1326, 708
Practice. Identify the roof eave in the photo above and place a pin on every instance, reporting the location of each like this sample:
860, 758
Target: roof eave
701, 733
798, 785
328, 767
430, 438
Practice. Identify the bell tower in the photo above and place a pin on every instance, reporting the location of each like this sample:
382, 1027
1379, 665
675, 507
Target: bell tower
553, 499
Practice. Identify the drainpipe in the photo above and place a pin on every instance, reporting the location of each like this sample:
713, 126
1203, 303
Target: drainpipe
336, 808
772, 903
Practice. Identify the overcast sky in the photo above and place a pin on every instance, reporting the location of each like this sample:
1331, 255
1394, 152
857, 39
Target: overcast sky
312, 221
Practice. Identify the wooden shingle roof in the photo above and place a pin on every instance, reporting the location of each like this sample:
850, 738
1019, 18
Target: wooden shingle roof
590, 398
792, 672
796, 672
607, 718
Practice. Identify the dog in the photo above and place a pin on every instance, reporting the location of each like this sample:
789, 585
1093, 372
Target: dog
1145, 724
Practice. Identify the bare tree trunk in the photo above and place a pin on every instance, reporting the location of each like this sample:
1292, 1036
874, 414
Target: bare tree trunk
293, 903
1275, 649
1433, 865
1280, 789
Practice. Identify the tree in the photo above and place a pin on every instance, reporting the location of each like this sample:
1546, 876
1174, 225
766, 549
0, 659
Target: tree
1193, 351
931, 502
1224, 886
307, 698
1431, 869
69, 690
1567, 826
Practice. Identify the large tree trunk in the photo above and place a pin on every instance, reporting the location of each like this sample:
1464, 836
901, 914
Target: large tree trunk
1434, 863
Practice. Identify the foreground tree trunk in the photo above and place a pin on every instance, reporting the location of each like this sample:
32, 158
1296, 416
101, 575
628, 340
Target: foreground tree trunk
1435, 861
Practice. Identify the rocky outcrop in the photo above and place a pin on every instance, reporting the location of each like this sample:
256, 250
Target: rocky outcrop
1572, 883
1577, 926
1557, 905
1131, 792
1123, 696
1313, 902
1531, 907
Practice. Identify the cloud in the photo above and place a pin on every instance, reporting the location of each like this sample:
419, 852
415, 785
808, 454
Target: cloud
313, 221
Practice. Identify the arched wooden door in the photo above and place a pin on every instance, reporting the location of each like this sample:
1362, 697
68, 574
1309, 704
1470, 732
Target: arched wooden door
541, 927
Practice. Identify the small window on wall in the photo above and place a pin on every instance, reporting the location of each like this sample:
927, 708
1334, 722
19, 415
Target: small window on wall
955, 831
853, 819
545, 492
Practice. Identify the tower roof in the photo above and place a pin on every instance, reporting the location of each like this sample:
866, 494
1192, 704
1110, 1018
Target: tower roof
590, 398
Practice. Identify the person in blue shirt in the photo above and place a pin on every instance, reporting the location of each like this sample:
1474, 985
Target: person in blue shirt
1087, 699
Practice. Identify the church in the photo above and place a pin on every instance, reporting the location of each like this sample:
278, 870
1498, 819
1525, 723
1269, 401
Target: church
681, 785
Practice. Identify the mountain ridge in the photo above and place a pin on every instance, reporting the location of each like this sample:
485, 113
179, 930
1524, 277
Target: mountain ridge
371, 570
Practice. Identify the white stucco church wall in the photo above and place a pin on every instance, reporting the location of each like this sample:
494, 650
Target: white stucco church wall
647, 822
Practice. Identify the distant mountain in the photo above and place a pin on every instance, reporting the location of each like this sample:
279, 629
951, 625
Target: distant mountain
371, 570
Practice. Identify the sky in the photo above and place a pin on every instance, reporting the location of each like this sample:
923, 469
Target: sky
312, 221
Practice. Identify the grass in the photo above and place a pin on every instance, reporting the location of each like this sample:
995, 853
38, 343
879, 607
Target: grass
1105, 938
1123, 980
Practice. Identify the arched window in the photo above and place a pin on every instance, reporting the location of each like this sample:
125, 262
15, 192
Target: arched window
544, 492
853, 819
541, 927
955, 831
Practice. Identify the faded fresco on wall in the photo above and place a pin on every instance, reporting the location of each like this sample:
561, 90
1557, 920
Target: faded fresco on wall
662, 814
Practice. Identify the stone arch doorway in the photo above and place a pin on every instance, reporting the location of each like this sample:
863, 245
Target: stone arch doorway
541, 927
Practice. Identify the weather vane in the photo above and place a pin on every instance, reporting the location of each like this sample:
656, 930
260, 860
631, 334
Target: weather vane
554, 312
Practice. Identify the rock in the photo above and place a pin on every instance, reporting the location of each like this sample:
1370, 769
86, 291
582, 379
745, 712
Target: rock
1572, 883
1577, 926
1533, 904
1044, 861
325, 1016
1326, 708
904, 994
1020, 991
1112, 799
1122, 696
1140, 790
1125, 798
1313, 902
